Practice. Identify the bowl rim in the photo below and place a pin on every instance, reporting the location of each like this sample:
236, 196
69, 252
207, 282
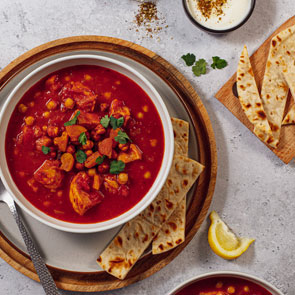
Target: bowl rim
261, 282
213, 31
162, 174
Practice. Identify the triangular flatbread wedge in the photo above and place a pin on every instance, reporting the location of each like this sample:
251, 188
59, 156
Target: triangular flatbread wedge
290, 117
250, 100
126, 248
275, 88
172, 233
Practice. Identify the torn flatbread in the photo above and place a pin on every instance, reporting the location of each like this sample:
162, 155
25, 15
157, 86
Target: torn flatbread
120, 256
172, 233
275, 88
250, 100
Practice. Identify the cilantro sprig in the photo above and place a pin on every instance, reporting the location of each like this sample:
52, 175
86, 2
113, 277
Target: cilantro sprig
116, 167
122, 137
218, 63
73, 121
114, 122
105, 121
45, 149
99, 160
81, 156
83, 138
189, 59
200, 67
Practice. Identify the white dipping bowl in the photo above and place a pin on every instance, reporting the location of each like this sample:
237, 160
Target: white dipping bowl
230, 274
59, 64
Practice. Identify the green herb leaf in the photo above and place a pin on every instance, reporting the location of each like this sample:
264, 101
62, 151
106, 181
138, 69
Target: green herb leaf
100, 159
189, 59
83, 138
218, 63
73, 121
116, 123
45, 149
200, 67
105, 121
81, 156
122, 137
117, 167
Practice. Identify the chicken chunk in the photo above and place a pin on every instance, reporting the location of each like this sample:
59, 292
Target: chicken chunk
74, 131
81, 195
118, 109
133, 154
49, 174
88, 120
62, 141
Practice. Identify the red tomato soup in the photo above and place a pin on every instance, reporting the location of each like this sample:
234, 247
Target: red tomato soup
223, 286
84, 144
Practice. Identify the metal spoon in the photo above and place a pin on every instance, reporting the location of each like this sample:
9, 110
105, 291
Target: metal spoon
45, 277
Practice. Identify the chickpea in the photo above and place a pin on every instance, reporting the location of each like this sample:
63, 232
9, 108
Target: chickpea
71, 149
147, 175
103, 168
31, 104
51, 105
91, 172
219, 285
37, 131
37, 94
52, 131
46, 203
46, 115
69, 103
231, 290
44, 128
123, 147
89, 145
59, 194
21, 173
118, 82
87, 77
79, 166
145, 108
22, 108
139, 115
153, 142
88, 153
29, 120
67, 78
123, 178
107, 95
246, 289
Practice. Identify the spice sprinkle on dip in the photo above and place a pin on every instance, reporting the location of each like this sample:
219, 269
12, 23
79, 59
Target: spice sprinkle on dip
219, 15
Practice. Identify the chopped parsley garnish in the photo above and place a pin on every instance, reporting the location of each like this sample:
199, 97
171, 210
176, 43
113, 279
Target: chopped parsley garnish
83, 138
189, 59
116, 123
105, 121
73, 121
122, 137
81, 156
218, 63
200, 67
117, 167
100, 159
45, 149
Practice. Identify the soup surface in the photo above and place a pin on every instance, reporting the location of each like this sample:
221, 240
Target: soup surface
223, 286
84, 144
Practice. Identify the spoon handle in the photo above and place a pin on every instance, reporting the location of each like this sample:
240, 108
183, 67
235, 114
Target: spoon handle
45, 277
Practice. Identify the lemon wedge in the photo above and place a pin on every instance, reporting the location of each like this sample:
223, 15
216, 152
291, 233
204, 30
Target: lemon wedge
223, 241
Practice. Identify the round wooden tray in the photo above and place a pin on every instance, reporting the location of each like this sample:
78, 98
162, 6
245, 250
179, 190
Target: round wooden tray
203, 191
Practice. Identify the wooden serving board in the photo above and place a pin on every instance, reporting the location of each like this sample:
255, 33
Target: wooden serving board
201, 126
286, 148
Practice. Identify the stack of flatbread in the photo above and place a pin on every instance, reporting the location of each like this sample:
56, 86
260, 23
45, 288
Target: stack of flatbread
163, 222
266, 111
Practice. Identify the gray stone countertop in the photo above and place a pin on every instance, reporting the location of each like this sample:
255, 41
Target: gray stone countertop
254, 189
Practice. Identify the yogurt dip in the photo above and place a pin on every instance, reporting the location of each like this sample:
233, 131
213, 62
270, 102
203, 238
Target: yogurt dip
220, 17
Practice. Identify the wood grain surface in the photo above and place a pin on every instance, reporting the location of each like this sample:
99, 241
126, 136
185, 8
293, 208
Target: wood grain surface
203, 191
286, 148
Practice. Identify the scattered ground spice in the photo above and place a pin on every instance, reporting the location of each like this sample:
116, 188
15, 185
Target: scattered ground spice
210, 7
149, 19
